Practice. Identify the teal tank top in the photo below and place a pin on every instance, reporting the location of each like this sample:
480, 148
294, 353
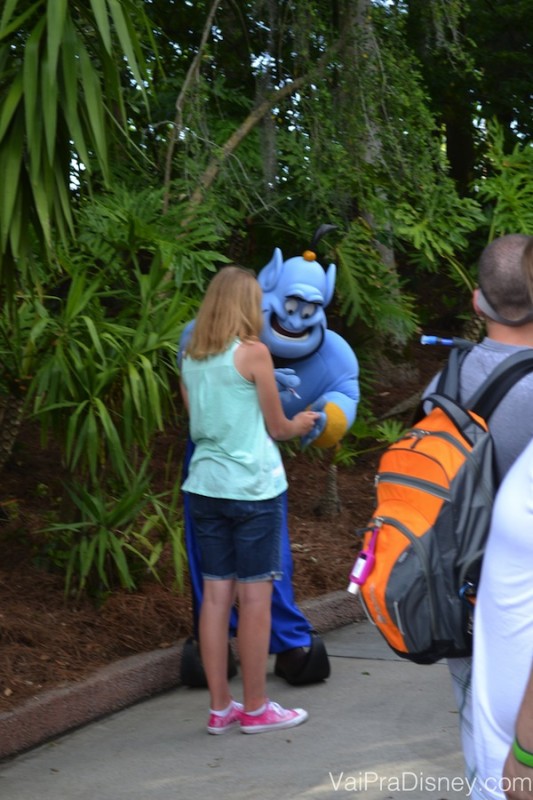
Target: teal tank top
234, 457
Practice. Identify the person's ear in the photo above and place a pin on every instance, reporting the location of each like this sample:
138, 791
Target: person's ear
475, 305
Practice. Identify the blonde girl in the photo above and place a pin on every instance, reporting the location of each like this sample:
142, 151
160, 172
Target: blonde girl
234, 485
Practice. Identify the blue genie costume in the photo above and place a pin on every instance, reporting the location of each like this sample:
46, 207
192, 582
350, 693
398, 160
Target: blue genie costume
316, 368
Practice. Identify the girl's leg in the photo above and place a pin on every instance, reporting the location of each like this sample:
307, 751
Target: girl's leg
253, 638
218, 598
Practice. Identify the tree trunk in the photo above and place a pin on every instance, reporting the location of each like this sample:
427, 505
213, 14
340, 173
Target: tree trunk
329, 505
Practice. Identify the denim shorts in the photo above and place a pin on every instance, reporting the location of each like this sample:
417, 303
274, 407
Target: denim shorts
238, 539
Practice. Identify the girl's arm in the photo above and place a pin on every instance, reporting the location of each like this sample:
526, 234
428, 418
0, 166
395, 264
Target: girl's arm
254, 362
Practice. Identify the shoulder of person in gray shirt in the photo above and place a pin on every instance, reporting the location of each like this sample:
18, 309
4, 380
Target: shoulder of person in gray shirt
511, 424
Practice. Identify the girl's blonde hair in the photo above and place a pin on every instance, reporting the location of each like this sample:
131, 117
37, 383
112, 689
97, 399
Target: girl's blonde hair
230, 309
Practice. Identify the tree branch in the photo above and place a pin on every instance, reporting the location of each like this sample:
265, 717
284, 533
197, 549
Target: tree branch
190, 78
237, 136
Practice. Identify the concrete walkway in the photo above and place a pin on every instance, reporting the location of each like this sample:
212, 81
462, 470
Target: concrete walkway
379, 729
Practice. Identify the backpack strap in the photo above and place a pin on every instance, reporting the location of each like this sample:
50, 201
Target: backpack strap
508, 372
461, 418
448, 382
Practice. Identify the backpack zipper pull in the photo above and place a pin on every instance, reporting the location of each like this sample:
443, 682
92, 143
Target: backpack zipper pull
416, 434
365, 561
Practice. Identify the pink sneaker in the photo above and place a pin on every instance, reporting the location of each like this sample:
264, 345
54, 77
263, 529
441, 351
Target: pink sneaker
219, 723
273, 718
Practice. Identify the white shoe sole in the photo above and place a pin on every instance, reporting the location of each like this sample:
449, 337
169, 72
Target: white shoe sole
277, 726
229, 727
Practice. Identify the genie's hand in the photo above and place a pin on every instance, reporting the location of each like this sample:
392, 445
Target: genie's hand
287, 381
319, 425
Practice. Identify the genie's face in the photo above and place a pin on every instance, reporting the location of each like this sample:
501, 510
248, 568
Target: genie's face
295, 293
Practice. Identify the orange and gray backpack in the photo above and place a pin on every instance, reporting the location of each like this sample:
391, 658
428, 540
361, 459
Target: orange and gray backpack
420, 560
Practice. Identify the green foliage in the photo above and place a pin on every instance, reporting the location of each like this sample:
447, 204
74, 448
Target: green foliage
369, 287
60, 75
110, 380
106, 375
21, 324
436, 229
119, 537
366, 436
507, 188
363, 144
97, 359
124, 229
103, 383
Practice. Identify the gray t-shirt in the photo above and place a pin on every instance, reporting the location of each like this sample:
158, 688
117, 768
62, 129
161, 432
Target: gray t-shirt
511, 424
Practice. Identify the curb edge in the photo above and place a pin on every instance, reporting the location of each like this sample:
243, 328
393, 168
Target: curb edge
129, 680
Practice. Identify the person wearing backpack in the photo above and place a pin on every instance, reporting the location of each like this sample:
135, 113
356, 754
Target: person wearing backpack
502, 678
503, 301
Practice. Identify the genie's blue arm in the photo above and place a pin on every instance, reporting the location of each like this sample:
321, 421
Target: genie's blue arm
184, 338
331, 376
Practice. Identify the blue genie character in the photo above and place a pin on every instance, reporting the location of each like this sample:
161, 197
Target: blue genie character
315, 367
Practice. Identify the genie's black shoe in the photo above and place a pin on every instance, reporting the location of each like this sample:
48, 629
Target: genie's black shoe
304, 665
192, 670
